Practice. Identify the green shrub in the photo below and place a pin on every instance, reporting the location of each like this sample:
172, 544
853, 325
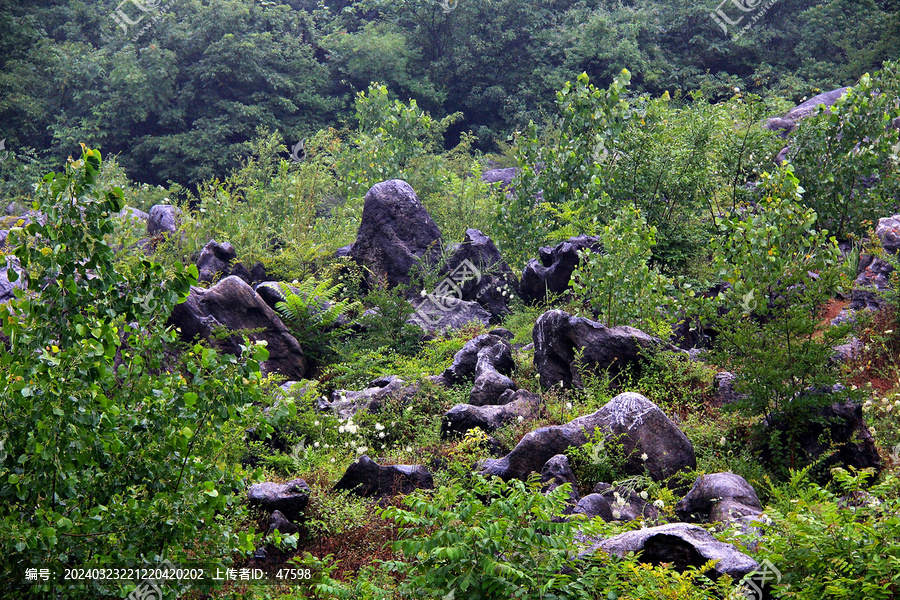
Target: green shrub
847, 158
618, 283
113, 447
828, 547
781, 270
564, 166
314, 316
499, 540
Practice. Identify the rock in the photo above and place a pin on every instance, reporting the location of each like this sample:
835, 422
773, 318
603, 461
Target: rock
874, 273
488, 388
367, 478
616, 504
346, 403
846, 433
449, 314
788, 123
289, 498
846, 352
636, 423
503, 177
719, 497
270, 292
681, 545
558, 335
233, 304
490, 384
7, 287
723, 385
395, 233
281, 523
215, 259
134, 214
464, 417
479, 272
163, 219
556, 472
467, 360
553, 272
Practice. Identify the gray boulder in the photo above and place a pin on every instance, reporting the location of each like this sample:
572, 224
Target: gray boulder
163, 219
465, 417
838, 431
650, 442
616, 504
346, 403
556, 472
395, 233
367, 478
502, 178
215, 260
479, 272
723, 385
466, 362
558, 336
437, 315
281, 523
681, 545
289, 498
719, 497
134, 214
788, 122
234, 305
7, 287
552, 272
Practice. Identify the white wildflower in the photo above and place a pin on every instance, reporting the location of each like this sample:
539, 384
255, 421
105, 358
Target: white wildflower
644, 457
658, 503
888, 408
616, 514
315, 423
316, 445
379, 427
520, 418
361, 450
568, 406
643, 495
341, 429
722, 441
381, 435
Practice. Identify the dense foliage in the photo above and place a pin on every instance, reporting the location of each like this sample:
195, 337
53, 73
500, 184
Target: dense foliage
114, 451
636, 122
180, 93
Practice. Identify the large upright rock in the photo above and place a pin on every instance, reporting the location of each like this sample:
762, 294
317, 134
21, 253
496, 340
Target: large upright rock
488, 279
215, 260
395, 233
558, 336
234, 305
650, 442
465, 364
553, 272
